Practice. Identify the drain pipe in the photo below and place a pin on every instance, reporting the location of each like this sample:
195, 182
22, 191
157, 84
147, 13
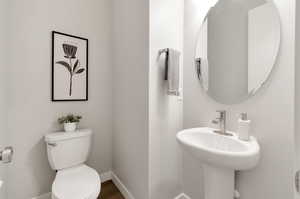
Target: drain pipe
237, 194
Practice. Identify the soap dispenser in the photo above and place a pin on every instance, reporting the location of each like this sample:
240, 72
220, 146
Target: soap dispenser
244, 127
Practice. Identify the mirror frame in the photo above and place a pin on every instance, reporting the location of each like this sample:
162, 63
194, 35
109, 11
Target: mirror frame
197, 65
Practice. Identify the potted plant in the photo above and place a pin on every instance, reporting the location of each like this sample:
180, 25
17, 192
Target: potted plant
70, 122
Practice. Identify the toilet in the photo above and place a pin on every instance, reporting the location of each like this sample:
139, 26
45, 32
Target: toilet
67, 153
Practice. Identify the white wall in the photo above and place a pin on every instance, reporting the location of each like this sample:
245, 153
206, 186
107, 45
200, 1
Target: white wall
271, 111
130, 95
3, 90
165, 119
297, 97
31, 112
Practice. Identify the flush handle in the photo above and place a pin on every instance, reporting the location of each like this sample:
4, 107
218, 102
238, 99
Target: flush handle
52, 144
297, 181
6, 155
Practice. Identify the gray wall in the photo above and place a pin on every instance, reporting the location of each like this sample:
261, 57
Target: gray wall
271, 111
297, 96
31, 114
165, 112
130, 95
3, 90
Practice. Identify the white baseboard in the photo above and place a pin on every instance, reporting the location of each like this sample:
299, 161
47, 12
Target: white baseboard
123, 189
44, 196
105, 176
126, 193
182, 196
119, 184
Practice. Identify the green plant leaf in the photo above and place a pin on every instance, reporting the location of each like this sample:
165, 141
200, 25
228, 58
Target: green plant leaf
65, 64
75, 65
69, 118
80, 70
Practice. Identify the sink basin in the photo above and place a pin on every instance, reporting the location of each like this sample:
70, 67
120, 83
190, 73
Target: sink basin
219, 150
220, 156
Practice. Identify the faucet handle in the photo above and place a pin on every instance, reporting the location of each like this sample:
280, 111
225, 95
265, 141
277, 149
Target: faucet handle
222, 113
222, 116
215, 122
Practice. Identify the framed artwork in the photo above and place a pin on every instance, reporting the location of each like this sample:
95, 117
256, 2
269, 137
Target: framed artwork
69, 67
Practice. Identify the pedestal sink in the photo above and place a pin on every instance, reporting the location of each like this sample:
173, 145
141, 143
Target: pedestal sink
221, 156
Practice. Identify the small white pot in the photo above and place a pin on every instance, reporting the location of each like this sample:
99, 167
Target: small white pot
69, 127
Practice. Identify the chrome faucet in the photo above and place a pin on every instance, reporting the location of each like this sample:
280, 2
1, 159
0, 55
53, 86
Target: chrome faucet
221, 120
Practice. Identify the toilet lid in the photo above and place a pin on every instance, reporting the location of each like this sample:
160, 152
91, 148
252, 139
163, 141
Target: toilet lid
77, 183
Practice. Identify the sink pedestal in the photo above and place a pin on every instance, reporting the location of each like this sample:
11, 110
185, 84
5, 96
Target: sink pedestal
218, 182
220, 156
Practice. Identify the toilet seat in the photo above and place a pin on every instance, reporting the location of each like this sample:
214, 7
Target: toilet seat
81, 182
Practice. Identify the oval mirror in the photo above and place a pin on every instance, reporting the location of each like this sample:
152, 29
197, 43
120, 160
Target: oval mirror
237, 48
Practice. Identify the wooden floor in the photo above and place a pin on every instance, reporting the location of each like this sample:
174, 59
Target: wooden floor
110, 191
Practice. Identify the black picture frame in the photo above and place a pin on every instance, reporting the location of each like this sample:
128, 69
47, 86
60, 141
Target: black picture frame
53, 98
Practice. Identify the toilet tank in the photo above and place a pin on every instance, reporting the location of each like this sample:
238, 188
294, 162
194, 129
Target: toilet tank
68, 149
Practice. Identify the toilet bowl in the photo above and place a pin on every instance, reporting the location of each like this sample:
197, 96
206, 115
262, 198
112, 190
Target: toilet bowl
67, 153
81, 182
